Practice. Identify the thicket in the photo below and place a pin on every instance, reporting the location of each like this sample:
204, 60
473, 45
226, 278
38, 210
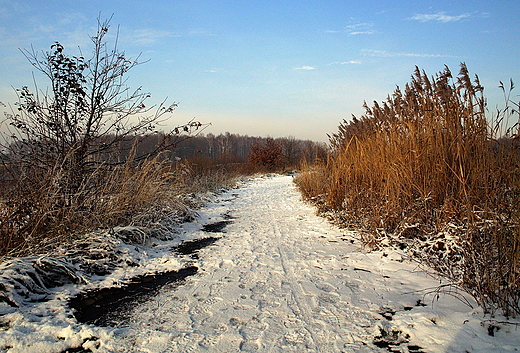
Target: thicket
427, 171
267, 156
66, 161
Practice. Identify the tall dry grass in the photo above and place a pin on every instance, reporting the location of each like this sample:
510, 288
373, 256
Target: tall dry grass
36, 216
426, 170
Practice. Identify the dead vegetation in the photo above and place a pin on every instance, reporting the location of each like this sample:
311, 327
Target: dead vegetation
69, 160
427, 171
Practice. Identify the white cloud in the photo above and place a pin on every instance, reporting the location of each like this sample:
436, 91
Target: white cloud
353, 33
360, 28
350, 62
200, 32
72, 18
149, 35
9, 9
305, 68
439, 17
359, 25
356, 29
385, 54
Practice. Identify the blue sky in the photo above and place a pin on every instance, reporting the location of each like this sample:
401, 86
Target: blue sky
273, 68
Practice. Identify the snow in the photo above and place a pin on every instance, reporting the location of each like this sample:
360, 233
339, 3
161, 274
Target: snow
280, 279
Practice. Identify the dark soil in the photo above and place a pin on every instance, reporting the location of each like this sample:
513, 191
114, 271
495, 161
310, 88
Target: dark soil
217, 227
192, 247
110, 306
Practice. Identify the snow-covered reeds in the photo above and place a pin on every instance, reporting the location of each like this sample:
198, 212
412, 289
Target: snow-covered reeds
428, 171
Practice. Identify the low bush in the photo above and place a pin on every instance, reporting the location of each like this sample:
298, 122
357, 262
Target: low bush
267, 157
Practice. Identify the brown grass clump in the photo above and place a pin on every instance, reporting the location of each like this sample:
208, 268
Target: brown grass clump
426, 170
38, 216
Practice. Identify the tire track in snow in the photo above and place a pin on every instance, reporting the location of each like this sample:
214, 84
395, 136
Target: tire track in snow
297, 292
299, 297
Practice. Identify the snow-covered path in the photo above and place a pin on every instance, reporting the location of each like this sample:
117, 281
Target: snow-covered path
284, 280
280, 279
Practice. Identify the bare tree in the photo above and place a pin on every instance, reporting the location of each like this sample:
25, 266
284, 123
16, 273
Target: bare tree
85, 115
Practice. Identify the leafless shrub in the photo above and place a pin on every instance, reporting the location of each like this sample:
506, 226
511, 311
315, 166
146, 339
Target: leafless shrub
68, 154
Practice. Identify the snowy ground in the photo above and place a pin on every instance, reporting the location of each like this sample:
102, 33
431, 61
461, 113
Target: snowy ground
280, 279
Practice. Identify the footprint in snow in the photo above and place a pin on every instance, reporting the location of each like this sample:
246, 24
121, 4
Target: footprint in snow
211, 301
328, 298
326, 287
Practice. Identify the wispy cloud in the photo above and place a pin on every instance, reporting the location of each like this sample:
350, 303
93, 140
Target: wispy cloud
72, 18
305, 68
386, 54
350, 62
360, 28
150, 35
439, 17
14, 8
199, 32
147, 36
354, 33
356, 29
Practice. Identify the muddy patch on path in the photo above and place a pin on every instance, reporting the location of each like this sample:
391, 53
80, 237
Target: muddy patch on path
192, 247
112, 306
217, 227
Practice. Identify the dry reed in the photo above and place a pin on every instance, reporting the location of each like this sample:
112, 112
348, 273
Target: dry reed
425, 169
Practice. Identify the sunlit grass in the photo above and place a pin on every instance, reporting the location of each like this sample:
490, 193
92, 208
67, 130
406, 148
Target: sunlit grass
427, 166
33, 219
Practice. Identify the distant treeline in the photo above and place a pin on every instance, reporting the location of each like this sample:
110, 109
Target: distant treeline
215, 149
235, 148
